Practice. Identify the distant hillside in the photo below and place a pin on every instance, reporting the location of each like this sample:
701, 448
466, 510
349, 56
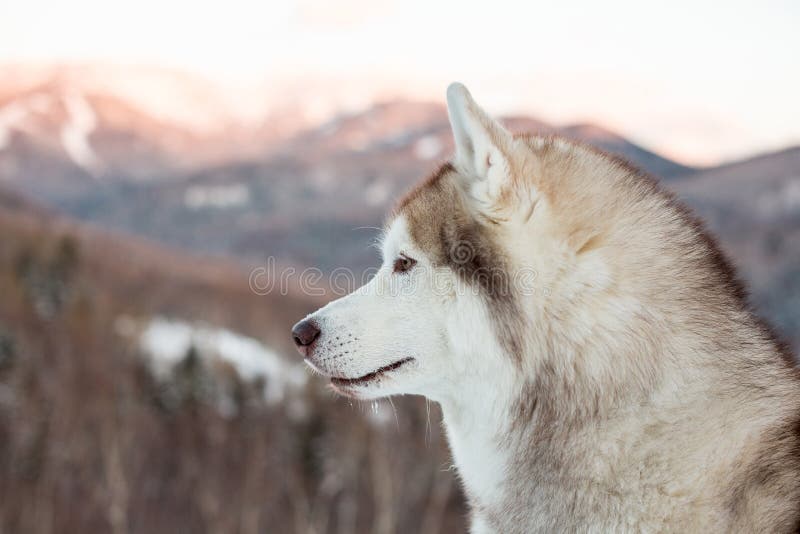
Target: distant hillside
142, 278
754, 208
424, 128
745, 176
611, 142
315, 196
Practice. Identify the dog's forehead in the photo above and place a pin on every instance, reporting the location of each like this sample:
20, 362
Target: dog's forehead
395, 235
420, 215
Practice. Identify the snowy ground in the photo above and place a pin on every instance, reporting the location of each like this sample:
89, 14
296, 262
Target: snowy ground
167, 341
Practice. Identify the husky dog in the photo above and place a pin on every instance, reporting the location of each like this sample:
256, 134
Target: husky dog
593, 353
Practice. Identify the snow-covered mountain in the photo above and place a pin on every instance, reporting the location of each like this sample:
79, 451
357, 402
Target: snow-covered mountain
66, 129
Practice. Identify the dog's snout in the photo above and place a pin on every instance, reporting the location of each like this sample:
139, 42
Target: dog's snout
304, 334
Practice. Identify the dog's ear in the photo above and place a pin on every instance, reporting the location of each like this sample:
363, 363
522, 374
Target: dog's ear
481, 143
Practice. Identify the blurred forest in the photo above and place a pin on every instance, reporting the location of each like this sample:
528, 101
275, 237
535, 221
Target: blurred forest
91, 441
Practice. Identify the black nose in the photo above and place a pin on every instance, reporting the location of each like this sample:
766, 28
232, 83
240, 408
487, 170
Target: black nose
304, 333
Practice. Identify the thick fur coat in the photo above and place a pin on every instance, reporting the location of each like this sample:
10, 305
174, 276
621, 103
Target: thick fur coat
593, 353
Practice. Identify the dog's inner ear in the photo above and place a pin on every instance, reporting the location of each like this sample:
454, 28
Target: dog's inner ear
481, 144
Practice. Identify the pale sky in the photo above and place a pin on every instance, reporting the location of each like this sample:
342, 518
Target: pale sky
701, 81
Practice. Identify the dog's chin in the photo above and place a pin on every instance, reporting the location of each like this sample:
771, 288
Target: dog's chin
375, 384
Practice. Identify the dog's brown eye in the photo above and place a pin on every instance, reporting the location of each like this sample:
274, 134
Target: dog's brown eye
403, 264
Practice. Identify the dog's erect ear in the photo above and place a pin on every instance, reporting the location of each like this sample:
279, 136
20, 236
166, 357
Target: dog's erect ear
481, 143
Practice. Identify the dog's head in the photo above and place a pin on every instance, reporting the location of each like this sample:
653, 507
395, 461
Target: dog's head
469, 260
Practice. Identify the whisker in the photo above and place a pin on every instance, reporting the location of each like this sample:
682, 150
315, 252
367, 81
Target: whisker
394, 410
428, 432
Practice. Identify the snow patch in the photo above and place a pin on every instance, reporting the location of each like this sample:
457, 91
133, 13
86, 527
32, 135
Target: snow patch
323, 179
10, 116
783, 201
378, 192
75, 132
330, 128
40, 103
168, 341
428, 147
216, 196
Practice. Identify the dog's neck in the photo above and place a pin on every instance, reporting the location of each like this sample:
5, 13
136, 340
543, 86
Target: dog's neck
499, 410
478, 424
501, 402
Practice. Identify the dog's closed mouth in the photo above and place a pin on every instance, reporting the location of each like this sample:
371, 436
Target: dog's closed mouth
338, 381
